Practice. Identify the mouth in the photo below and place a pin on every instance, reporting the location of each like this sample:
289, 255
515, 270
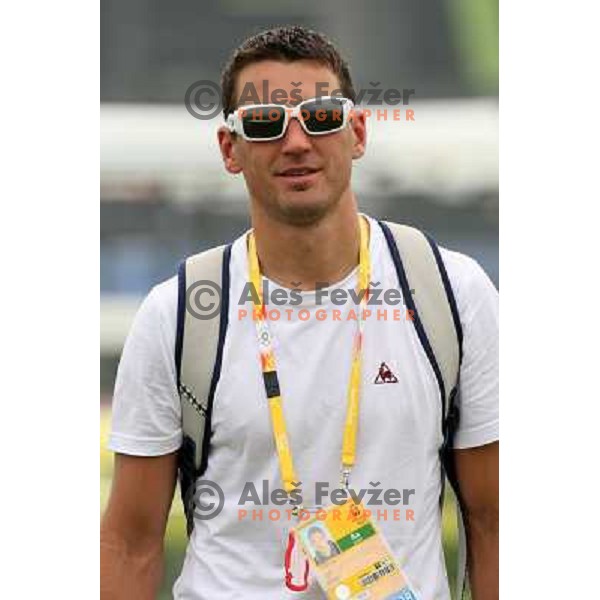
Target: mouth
298, 174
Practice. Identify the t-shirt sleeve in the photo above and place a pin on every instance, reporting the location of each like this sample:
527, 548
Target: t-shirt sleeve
477, 301
146, 414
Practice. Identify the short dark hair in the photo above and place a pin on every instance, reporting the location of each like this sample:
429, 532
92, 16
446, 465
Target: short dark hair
287, 44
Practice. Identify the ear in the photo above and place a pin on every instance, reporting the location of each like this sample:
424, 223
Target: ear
228, 147
358, 124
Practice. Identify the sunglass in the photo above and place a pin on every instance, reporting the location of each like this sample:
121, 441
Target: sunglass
268, 122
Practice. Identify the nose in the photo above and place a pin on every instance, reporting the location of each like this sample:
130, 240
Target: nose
296, 140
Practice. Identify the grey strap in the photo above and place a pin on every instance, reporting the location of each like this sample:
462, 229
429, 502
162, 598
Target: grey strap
200, 337
431, 301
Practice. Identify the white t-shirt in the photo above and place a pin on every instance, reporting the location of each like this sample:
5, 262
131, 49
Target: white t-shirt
399, 429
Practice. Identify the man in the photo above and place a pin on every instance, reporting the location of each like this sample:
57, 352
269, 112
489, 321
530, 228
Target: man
305, 231
323, 548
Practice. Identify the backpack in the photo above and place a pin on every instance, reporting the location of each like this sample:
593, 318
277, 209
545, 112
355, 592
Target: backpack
199, 346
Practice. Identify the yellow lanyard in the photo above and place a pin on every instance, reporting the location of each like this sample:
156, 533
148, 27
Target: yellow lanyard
269, 367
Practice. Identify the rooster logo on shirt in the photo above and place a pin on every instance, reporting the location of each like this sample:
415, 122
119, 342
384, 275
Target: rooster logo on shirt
385, 375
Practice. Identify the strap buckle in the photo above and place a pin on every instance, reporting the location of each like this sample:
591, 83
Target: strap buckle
345, 478
450, 422
450, 425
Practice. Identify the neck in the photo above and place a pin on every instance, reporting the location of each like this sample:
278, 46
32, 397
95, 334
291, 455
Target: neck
309, 255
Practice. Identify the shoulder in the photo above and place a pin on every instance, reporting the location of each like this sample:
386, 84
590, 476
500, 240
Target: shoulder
153, 330
470, 283
160, 305
164, 294
463, 270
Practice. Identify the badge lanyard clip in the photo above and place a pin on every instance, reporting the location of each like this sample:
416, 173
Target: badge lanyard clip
345, 479
289, 583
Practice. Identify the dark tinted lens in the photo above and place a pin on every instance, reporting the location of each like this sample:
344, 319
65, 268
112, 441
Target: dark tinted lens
263, 121
323, 115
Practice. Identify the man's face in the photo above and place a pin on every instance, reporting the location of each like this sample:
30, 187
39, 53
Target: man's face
298, 178
318, 540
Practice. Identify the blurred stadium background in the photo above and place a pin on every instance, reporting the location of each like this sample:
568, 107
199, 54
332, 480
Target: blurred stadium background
164, 193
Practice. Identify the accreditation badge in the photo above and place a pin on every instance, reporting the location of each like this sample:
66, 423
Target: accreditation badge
350, 557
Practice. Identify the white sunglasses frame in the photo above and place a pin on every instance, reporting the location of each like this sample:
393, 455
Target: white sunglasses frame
235, 125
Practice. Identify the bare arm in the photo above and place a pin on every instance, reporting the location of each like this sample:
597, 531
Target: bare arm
133, 527
477, 477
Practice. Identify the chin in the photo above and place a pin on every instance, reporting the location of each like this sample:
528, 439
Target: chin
303, 211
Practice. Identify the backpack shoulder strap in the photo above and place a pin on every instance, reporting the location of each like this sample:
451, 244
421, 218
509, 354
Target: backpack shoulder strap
202, 309
427, 292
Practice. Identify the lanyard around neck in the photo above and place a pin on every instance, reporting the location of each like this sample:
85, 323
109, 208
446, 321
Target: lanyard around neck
269, 367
